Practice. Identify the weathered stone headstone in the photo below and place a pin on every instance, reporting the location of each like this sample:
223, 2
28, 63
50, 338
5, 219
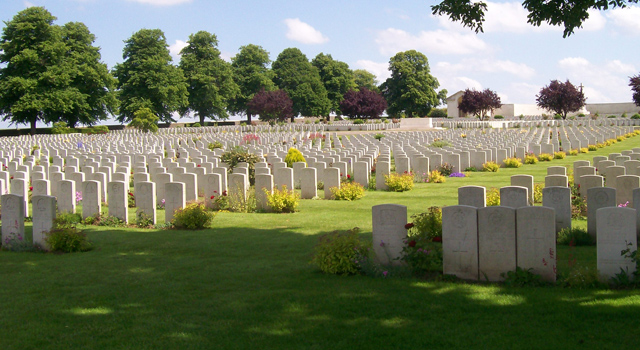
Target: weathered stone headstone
66, 196
389, 232
514, 196
496, 242
44, 213
308, 183
263, 183
175, 200
361, 173
460, 241
474, 196
558, 198
611, 175
616, 228
12, 219
331, 180
556, 180
118, 200
237, 190
597, 198
625, 184
212, 189
556, 170
190, 181
536, 237
20, 187
161, 180
146, 200
283, 177
382, 169
524, 181
91, 199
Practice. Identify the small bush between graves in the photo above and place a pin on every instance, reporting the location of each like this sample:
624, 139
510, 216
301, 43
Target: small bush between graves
282, 201
143, 220
240, 154
238, 203
586, 149
575, 236
423, 247
493, 197
581, 277
340, 253
635, 116
429, 223
214, 145
293, 156
378, 136
578, 204
491, 167
512, 162
574, 152
559, 155
436, 177
537, 193
521, 278
399, 182
358, 121
445, 169
530, 159
545, 157
67, 240
193, 216
441, 143
349, 191
131, 200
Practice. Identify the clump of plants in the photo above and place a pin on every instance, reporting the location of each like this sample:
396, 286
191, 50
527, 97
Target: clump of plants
282, 200
340, 253
493, 197
574, 152
423, 248
445, 169
545, 157
378, 136
521, 278
214, 145
575, 236
65, 237
399, 182
349, 191
293, 156
240, 154
441, 144
193, 216
537, 193
491, 167
512, 162
436, 177
559, 155
530, 159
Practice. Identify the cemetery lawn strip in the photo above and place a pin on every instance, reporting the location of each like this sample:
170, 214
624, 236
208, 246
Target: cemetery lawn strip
246, 283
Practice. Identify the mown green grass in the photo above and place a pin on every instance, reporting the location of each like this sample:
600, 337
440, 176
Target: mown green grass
246, 283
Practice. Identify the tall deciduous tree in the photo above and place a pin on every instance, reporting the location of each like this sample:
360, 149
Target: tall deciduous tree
209, 78
336, 77
271, 105
479, 103
252, 74
363, 103
148, 79
31, 48
411, 89
295, 75
568, 13
89, 92
634, 82
366, 79
561, 98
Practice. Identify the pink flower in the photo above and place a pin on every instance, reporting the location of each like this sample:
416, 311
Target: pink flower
384, 273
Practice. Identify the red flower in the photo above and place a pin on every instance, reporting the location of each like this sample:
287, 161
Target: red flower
131, 194
409, 225
30, 188
199, 165
437, 239
348, 176
412, 244
224, 193
212, 197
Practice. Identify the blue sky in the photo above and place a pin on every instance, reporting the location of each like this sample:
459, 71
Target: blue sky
511, 57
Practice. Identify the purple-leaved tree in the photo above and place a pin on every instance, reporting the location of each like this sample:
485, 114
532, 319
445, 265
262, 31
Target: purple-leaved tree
271, 106
363, 104
634, 82
479, 103
561, 98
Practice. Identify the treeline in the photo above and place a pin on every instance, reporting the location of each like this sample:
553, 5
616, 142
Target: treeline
54, 73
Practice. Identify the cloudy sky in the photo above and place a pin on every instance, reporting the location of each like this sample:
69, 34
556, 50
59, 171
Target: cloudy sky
510, 57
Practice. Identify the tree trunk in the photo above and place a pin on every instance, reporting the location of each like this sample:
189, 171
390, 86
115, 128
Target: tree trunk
201, 120
249, 118
33, 126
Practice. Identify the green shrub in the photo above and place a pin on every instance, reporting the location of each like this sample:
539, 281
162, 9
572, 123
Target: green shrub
498, 117
282, 201
60, 128
196, 125
358, 121
240, 154
438, 113
67, 240
445, 169
436, 177
521, 278
471, 169
440, 143
557, 117
512, 162
574, 152
349, 191
635, 116
575, 236
399, 182
493, 197
545, 157
611, 116
429, 223
530, 159
378, 136
581, 277
559, 155
339, 253
491, 167
66, 220
537, 193
294, 156
214, 145
193, 216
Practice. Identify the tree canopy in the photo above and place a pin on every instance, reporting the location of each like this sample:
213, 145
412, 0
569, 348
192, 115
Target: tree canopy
363, 103
561, 98
634, 82
479, 103
271, 106
294, 74
148, 79
209, 78
365, 79
144, 120
252, 74
411, 88
568, 13
336, 77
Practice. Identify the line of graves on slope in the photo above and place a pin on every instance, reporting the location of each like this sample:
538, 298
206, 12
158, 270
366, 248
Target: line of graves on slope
484, 242
533, 121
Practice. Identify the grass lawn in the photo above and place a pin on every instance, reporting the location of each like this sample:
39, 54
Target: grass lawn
246, 283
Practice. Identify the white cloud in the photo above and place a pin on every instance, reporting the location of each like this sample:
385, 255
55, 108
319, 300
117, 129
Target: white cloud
303, 33
226, 56
392, 41
162, 2
487, 65
29, 4
175, 49
626, 19
462, 83
380, 70
603, 81
595, 22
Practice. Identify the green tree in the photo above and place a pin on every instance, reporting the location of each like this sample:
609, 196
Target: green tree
365, 79
145, 120
148, 79
89, 89
252, 74
30, 50
336, 77
411, 88
568, 13
300, 79
209, 78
